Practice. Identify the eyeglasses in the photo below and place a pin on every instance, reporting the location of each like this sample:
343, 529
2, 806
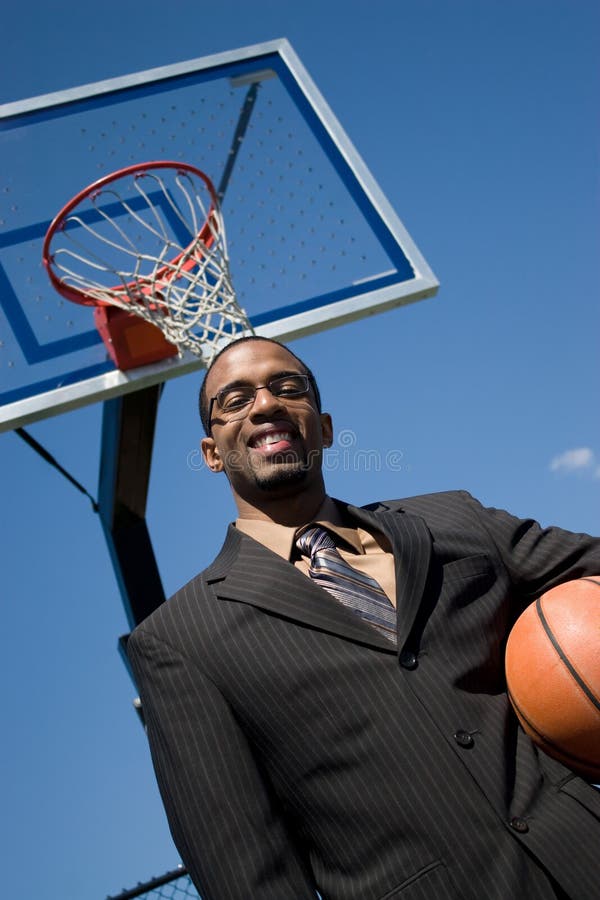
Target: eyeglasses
235, 402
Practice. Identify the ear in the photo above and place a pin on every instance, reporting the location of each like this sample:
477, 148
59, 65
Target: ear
326, 429
211, 454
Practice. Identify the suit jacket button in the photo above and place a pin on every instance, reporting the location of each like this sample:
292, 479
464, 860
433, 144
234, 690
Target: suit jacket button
408, 660
519, 824
463, 739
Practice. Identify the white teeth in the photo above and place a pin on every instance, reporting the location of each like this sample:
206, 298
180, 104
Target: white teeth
272, 438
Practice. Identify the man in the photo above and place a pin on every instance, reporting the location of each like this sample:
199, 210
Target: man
302, 745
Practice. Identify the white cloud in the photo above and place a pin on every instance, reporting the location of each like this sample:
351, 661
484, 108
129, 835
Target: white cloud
574, 460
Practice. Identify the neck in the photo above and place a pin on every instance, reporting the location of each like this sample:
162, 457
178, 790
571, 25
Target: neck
294, 510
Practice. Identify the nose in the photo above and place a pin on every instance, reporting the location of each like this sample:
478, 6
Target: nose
264, 401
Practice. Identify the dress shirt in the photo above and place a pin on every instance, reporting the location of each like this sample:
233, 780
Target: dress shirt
368, 552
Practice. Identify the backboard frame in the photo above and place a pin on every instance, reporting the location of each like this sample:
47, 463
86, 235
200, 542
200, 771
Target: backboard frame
285, 324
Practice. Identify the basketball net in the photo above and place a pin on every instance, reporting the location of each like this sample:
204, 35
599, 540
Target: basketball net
150, 239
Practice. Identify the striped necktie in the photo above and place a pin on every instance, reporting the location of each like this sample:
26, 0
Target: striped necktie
354, 589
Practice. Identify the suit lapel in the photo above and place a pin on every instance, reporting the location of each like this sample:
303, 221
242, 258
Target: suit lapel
412, 547
247, 572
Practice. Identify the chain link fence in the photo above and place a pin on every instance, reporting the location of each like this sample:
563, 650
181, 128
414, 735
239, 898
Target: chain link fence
175, 885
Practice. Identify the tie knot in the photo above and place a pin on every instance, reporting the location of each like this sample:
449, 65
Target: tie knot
314, 539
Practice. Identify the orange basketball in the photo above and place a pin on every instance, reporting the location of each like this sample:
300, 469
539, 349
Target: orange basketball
553, 673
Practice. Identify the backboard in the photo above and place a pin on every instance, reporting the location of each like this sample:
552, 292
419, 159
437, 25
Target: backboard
312, 240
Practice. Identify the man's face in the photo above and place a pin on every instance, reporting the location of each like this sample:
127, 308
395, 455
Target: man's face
275, 449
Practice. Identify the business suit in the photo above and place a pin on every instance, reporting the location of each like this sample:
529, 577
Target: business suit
296, 748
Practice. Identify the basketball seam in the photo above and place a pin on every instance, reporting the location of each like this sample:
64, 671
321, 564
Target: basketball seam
591, 580
551, 745
575, 674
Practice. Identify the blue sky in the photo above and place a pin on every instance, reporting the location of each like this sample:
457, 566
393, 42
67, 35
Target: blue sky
479, 121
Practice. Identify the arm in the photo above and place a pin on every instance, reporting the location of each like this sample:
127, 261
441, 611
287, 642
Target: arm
537, 558
223, 817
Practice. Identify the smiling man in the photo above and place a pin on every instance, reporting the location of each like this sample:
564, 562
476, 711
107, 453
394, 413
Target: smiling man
266, 432
326, 703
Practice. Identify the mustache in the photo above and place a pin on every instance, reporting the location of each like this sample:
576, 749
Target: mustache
236, 460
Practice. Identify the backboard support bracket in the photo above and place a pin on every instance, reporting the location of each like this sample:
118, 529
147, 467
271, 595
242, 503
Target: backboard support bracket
128, 425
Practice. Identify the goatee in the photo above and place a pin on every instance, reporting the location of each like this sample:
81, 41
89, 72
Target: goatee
280, 477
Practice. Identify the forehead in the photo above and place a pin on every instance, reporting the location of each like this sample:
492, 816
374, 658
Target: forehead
252, 361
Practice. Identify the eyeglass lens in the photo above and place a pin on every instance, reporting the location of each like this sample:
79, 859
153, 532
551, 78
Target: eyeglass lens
232, 400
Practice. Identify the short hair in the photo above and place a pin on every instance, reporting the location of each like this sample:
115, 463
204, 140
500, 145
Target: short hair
204, 400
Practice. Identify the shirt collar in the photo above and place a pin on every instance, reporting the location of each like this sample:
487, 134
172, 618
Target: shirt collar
281, 539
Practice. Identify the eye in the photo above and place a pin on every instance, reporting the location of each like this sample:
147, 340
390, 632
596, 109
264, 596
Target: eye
289, 385
235, 398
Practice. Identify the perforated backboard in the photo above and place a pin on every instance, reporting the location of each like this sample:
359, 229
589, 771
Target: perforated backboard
312, 240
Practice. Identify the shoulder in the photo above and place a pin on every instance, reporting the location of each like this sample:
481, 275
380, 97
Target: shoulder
444, 503
535, 556
193, 617
458, 514
171, 619
195, 602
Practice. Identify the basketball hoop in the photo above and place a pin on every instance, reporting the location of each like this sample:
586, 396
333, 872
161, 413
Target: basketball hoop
148, 239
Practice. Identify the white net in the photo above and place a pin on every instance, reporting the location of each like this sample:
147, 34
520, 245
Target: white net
152, 241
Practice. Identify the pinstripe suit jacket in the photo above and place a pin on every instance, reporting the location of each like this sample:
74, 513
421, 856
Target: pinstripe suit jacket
296, 750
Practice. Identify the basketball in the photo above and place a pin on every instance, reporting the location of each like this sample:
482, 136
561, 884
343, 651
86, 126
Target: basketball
553, 673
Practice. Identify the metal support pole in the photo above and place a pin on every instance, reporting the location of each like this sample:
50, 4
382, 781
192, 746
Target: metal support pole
127, 437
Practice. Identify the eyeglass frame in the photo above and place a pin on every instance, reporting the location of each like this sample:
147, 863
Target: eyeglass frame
259, 387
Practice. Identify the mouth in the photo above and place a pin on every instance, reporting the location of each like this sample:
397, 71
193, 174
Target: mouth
275, 439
